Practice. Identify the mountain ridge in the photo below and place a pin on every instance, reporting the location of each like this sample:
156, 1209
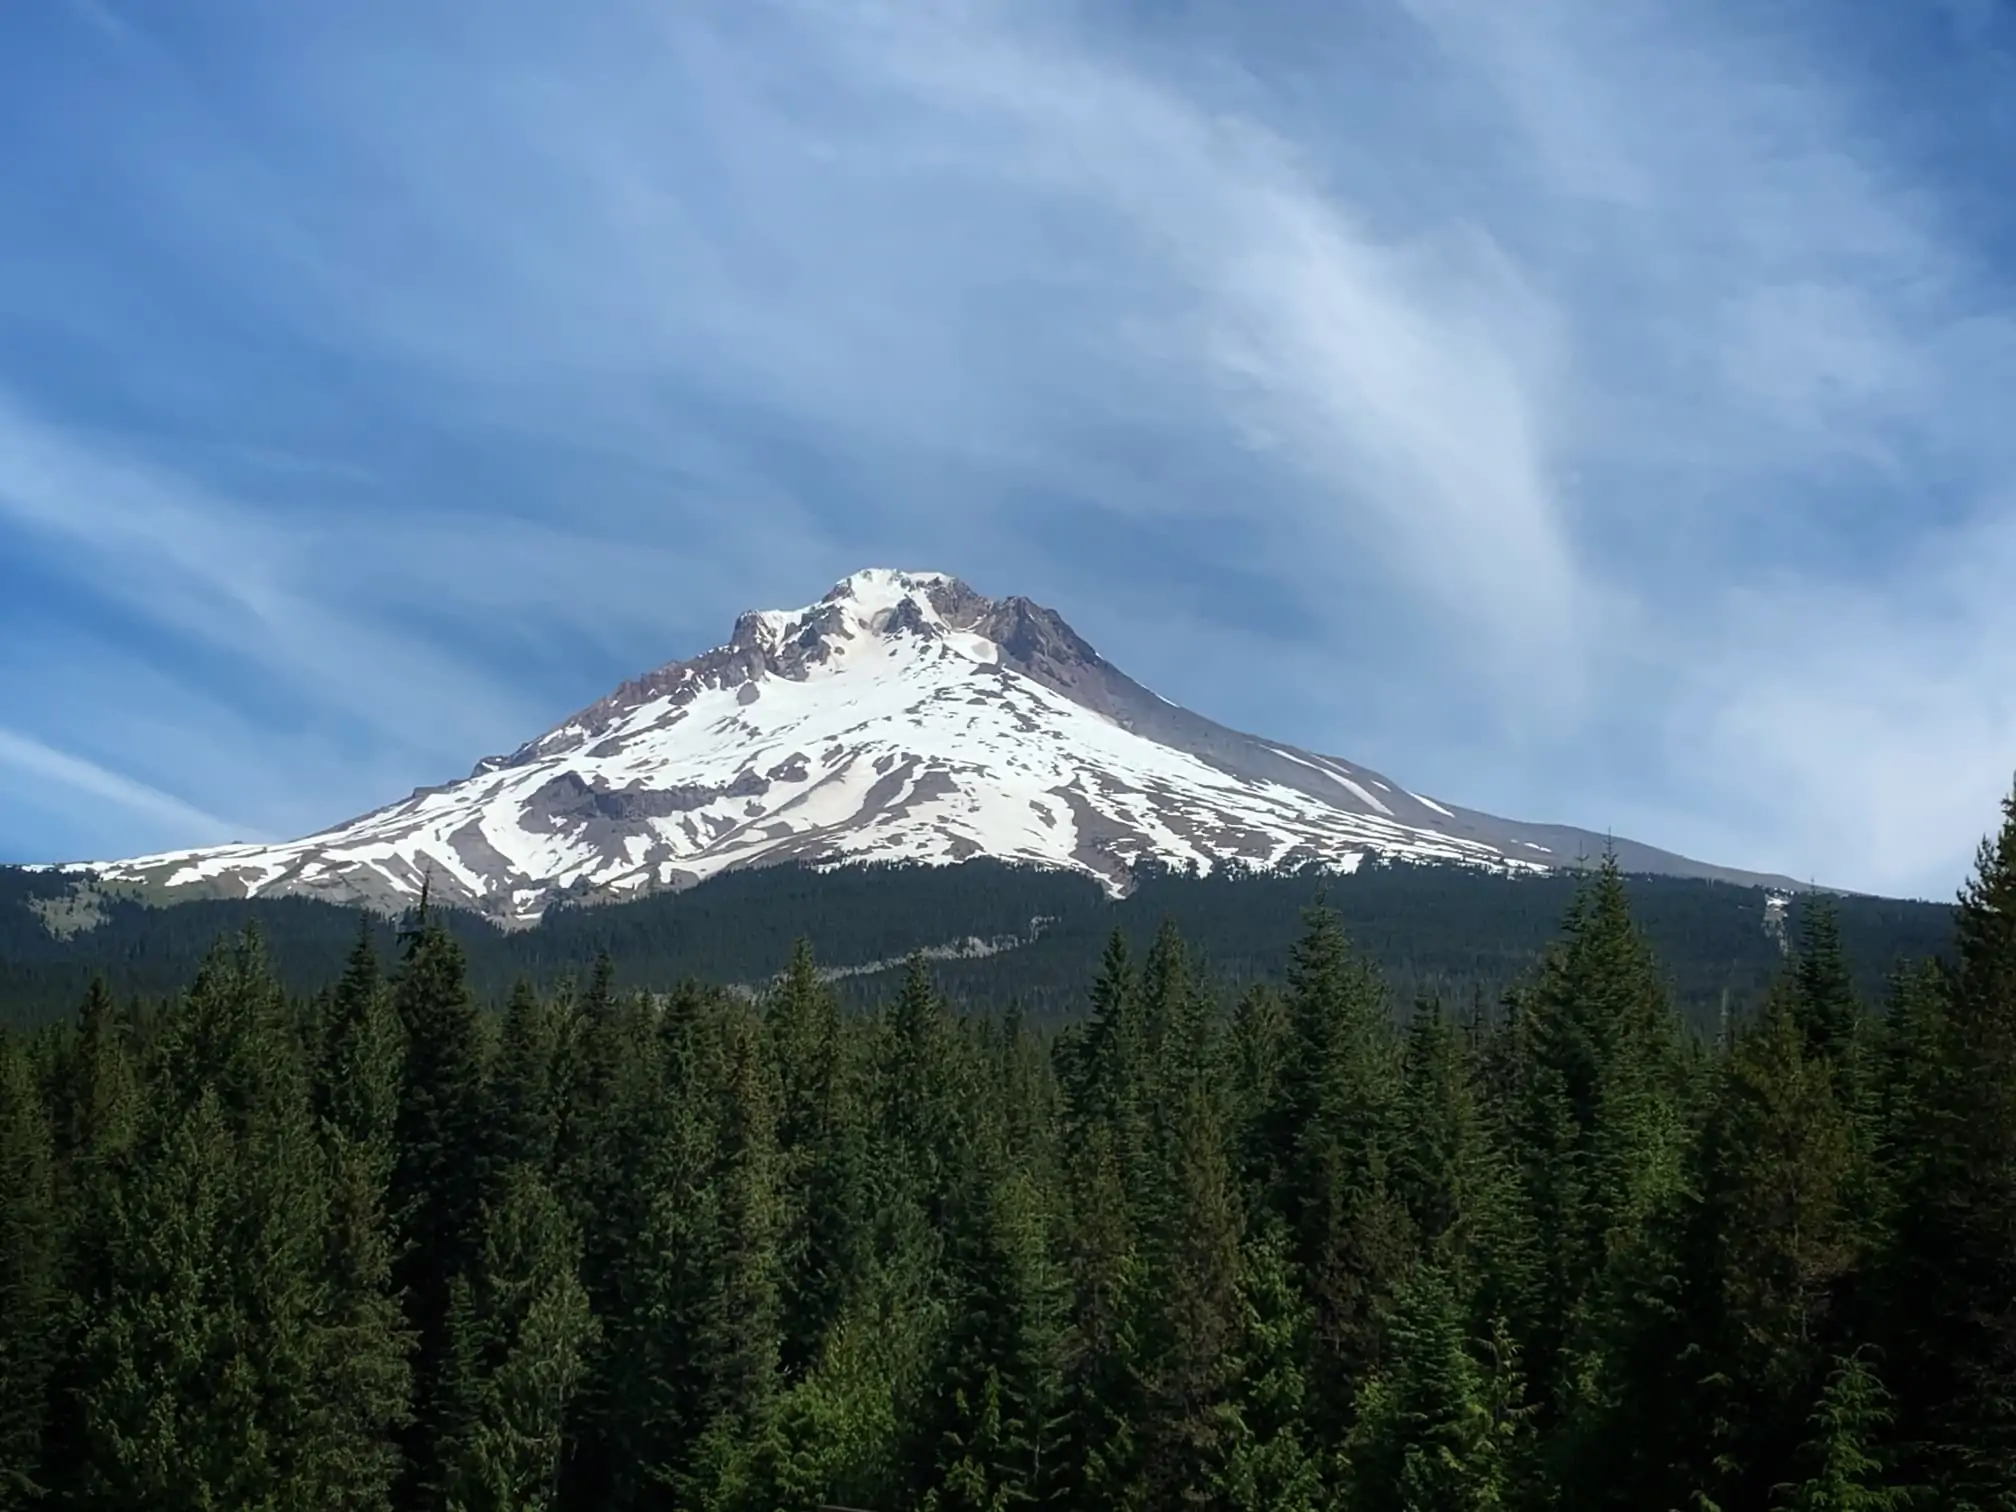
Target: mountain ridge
903, 716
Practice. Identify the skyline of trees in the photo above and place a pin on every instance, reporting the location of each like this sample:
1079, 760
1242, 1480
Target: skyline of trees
1293, 1246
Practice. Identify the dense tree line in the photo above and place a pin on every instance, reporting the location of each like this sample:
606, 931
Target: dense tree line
1434, 931
374, 1248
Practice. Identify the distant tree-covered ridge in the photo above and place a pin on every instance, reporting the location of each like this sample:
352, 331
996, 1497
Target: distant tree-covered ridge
1443, 931
1232, 1239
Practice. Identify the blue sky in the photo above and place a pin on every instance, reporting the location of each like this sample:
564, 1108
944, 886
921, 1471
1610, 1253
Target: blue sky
1594, 412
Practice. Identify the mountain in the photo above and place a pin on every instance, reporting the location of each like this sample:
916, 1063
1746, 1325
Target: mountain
903, 717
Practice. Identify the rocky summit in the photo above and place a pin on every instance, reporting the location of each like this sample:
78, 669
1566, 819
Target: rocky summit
902, 717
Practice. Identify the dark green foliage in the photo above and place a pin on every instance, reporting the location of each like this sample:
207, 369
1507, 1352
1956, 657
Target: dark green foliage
1950, 1320
1333, 1141
444, 1140
1601, 1137
1843, 1459
1236, 1241
1779, 1163
1441, 1423
519, 1334
31, 1293
218, 1364
1829, 1016
358, 1055
1443, 932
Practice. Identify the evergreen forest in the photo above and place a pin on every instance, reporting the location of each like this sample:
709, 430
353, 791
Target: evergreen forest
1449, 932
1299, 1238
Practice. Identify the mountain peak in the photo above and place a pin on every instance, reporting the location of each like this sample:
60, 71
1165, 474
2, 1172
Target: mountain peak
883, 586
903, 716
873, 601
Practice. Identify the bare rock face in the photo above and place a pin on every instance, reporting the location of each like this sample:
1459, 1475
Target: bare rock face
903, 716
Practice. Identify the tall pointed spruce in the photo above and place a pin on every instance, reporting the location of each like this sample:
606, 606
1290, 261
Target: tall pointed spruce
30, 1279
1952, 1279
518, 1338
442, 1171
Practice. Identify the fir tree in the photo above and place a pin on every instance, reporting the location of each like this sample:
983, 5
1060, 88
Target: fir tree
217, 1371
1256, 1051
1844, 1454
1452, 1171
1192, 1324
96, 1105
31, 1294
1829, 1015
1438, 1430
926, 1095
1600, 1128
364, 1347
988, 1425
1333, 1134
522, 1081
1271, 1463
822, 1159
96, 1093
1951, 1283
519, 1334
359, 1055
1102, 1067
740, 1323
1779, 1162
442, 1169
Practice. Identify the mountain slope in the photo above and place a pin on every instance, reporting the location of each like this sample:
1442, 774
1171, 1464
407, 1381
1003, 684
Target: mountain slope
902, 717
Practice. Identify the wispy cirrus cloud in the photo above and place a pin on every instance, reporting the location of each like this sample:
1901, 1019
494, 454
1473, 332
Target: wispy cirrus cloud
1580, 410
32, 761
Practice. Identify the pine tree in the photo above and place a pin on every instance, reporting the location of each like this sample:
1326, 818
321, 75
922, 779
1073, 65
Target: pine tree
518, 1339
656, 1210
1829, 1015
694, 1369
594, 1074
926, 1094
357, 1065
610, 1116
1105, 1136
362, 1352
97, 1093
1333, 1134
1844, 1454
1451, 1168
987, 1428
822, 1155
1103, 1066
364, 1346
1101, 1388
1951, 1279
217, 1370
1437, 1430
522, 1082
30, 1277
1270, 1462
1192, 1324
1779, 1162
1256, 1053
1173, 1020
1600, 1129
740, 1324
442, 1172
95, 1105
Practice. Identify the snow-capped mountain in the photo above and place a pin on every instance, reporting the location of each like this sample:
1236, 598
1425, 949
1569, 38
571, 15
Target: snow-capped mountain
902, 717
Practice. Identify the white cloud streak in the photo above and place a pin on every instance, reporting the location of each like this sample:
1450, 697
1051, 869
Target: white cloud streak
27, 756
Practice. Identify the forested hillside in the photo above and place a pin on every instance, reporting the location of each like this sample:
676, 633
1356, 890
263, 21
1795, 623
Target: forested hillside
1443, 931
369, 1247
